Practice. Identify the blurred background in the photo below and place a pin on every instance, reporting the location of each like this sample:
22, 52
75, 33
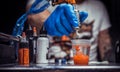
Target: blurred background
11, 10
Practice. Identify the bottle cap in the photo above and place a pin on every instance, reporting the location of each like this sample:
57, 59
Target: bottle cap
65, 38
43, 32
34, 31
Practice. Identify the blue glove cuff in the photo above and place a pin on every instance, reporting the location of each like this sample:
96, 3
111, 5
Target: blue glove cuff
39, 6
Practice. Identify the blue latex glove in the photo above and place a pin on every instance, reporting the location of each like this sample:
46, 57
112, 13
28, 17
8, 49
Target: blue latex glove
63, 20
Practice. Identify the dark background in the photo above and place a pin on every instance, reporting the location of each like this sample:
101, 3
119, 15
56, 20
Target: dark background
11, 10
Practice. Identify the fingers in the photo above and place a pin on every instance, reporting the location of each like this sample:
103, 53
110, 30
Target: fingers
61, 21
62, 25
83, 15
50, 24
51, 29
70, 14
65, 23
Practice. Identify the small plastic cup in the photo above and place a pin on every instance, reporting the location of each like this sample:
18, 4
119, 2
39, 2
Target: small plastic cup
81, 49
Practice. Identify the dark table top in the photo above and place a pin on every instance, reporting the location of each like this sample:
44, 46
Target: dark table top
112, 67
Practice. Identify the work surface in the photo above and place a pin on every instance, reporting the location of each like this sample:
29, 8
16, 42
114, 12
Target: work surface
60, 68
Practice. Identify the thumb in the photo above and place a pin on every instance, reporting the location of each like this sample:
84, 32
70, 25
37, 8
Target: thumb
83, 16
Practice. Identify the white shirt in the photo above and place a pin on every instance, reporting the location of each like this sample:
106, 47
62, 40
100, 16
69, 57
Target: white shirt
96, 11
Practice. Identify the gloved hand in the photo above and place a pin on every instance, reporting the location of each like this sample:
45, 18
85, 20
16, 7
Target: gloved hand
63, 20
37, 7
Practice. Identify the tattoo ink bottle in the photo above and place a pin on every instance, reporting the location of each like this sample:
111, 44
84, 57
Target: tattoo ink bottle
32, 37
23, 52
35, 36
42, 47
29, 34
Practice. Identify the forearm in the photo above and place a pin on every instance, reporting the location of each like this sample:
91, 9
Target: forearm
104, 44
38, 19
